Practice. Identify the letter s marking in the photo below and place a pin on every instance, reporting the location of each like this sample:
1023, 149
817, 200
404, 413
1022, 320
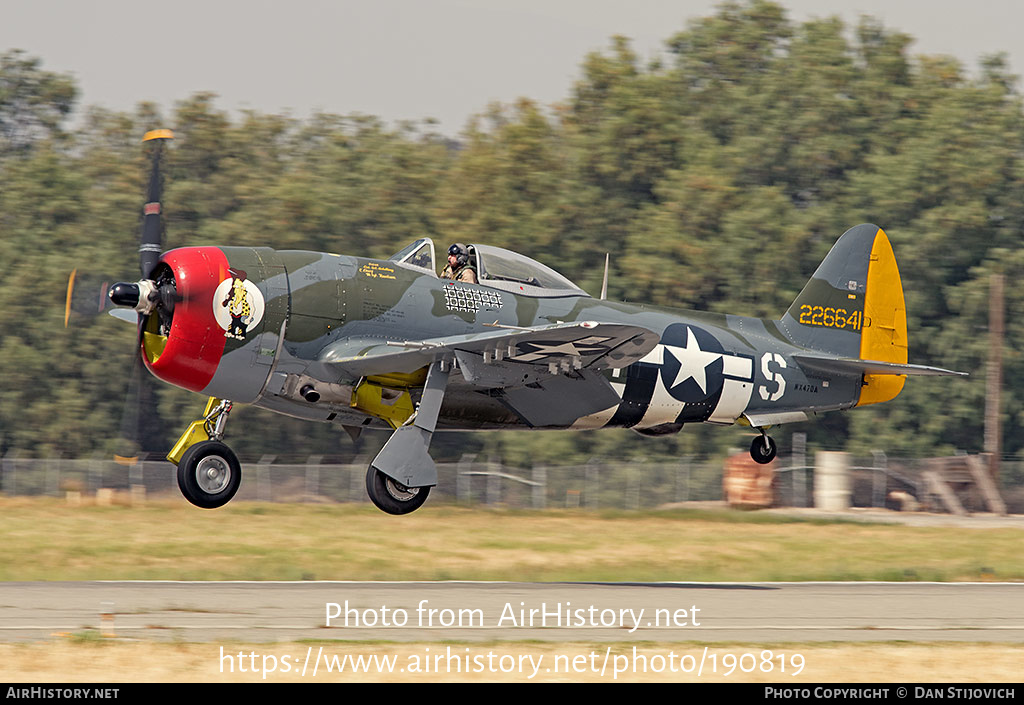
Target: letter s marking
775, 377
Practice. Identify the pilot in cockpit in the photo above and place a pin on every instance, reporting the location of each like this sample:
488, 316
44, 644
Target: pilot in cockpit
459, 267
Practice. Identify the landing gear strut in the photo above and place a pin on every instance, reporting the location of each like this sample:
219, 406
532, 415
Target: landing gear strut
209, 473
763, 450
400, 477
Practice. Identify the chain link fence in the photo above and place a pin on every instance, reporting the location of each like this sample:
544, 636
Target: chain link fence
877, 481
472, 480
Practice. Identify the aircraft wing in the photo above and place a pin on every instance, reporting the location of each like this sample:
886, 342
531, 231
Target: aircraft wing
852, 367
548, 375
503, 357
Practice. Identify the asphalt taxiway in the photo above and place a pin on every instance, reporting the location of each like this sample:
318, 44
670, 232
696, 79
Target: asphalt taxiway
508, 611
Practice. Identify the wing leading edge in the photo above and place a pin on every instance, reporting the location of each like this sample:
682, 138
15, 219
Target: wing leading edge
505, 356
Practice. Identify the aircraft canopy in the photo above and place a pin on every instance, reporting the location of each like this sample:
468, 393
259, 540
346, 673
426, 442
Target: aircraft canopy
498, 268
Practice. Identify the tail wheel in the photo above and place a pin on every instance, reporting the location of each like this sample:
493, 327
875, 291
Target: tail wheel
209, 474
391, 496
763, 450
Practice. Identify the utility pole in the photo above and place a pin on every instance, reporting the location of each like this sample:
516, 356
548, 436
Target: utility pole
994, 381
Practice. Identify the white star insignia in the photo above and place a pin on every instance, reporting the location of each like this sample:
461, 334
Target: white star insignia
692, 361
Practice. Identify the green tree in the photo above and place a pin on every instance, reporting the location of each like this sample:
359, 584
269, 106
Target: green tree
33, 103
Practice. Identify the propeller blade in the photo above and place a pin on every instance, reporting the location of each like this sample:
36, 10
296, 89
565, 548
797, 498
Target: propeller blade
151, 244
129, 445
125, 315
141, 428
86, 297
147, 294
67, 301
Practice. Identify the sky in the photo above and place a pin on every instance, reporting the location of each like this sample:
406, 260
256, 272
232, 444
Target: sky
408, 59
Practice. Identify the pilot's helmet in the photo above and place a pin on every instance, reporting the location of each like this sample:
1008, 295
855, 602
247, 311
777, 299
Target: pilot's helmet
461, 253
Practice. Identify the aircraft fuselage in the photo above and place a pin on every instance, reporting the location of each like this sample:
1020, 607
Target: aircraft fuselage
706, 368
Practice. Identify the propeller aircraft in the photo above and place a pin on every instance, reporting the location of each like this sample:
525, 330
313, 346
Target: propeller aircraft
389, 344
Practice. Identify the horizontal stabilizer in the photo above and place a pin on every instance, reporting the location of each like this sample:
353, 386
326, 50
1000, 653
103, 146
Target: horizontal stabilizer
852, 366
775, 418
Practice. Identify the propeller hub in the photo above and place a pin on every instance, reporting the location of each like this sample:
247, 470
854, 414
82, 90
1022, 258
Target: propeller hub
124, 294
140, 295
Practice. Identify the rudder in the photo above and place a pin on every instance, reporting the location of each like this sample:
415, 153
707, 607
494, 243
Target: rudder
853, 307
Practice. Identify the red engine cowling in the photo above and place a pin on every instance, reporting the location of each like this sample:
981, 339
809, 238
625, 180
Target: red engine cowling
188, 355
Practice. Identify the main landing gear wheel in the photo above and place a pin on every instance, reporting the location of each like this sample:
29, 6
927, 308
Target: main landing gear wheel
391, 496
209, 474
763, 450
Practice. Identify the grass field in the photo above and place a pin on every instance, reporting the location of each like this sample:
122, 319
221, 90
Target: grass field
46, 539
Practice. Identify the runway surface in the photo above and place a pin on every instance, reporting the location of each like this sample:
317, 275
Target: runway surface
467, 611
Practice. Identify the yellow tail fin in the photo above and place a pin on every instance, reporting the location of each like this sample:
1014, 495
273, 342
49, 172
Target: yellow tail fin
884, 336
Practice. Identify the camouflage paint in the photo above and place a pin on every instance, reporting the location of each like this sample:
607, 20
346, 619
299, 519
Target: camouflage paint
706, 367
